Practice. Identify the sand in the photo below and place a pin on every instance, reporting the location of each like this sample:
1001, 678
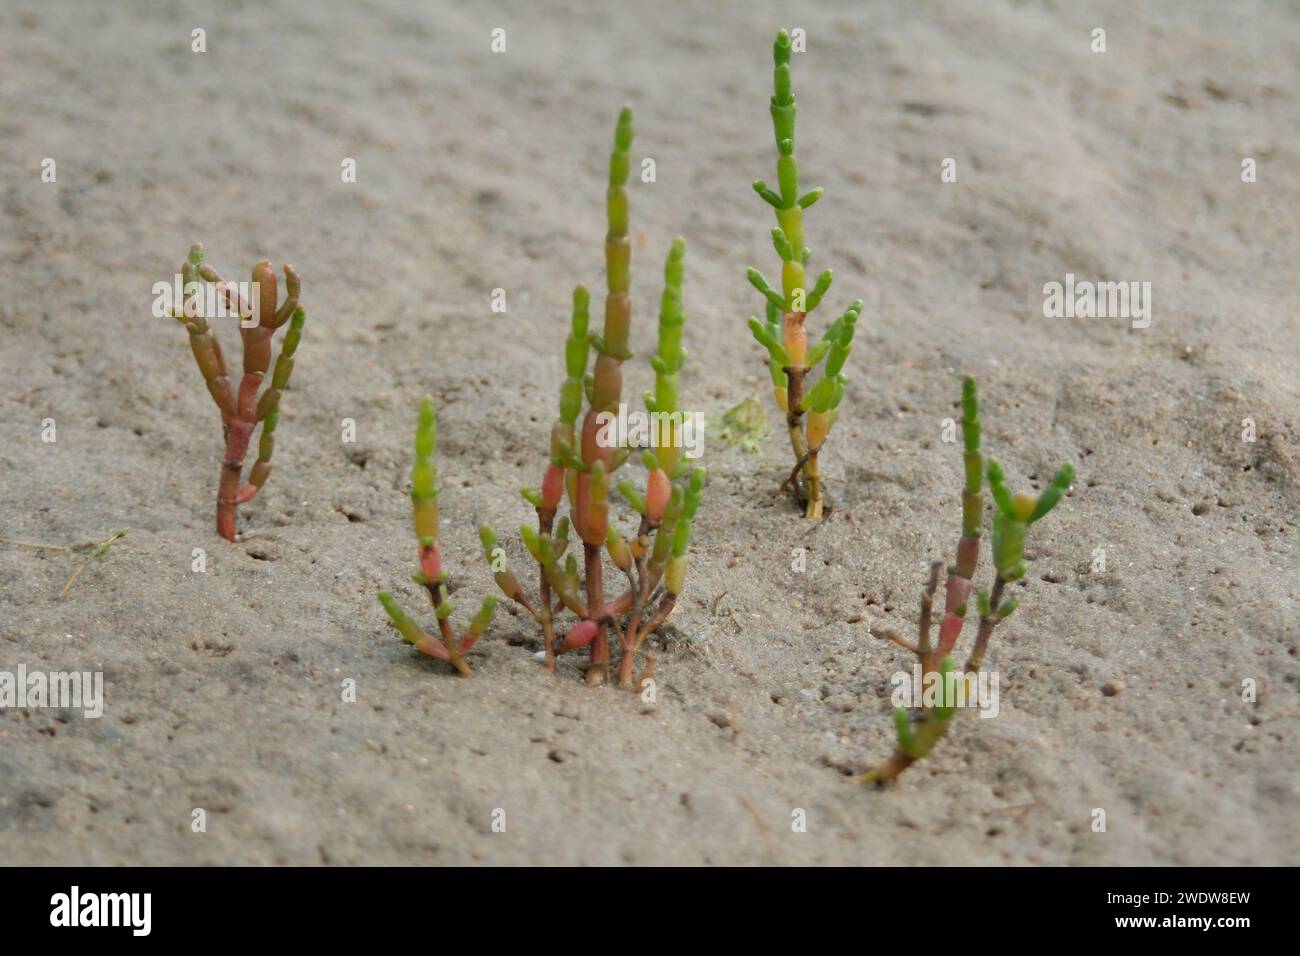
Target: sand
475, 171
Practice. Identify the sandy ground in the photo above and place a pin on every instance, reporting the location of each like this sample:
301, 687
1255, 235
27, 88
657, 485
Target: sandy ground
479, 170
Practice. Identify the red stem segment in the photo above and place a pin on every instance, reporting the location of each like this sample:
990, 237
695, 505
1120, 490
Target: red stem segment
596, 672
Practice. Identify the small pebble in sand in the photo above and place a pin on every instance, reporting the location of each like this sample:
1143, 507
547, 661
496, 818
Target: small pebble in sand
1112, 687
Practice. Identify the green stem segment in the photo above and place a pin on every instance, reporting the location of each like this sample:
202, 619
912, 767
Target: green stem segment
268, 408
663, 403
431, 576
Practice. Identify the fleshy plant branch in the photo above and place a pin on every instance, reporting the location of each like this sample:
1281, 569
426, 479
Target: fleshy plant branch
783, 333
1012, 516
585, 458
241, 408
424, 505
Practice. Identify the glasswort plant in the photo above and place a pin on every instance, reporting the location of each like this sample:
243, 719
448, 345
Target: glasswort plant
583, 464
1012, 516
242, 409
783, 333
431, 576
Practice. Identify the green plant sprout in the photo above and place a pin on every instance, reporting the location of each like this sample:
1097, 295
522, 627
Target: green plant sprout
424, 507
783, 333
584, 460
90, 550
1012, 516
744, 426
242, 408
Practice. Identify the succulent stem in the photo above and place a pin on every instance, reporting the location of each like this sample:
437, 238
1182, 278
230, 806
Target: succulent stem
428, 525
1012, 516
242, 410
785, 334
